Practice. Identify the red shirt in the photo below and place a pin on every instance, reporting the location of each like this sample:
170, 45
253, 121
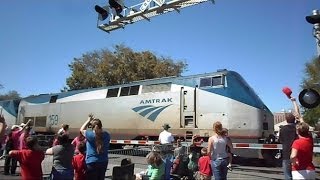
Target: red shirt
16, 139
79, 165
204, 164
22, 140
76, 141
30, 163
304, 147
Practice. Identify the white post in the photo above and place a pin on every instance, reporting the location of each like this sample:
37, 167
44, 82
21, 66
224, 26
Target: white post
316, 31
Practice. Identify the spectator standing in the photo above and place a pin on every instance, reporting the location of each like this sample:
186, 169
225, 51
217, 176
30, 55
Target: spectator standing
23, 137
77, 141
287, 135
226, 133
217, 150
79, 162
180, 165
165, 137
301, 154
8, 163
16, 133
3, 126
97, 148
204, 164
63, 130
29, 159
194, 156
179, 149
62, 159
3, 143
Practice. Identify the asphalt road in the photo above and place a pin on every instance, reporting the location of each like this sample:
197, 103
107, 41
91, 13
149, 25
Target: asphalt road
239, 171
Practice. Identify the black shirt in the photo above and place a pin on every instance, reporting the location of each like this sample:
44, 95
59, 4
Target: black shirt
287, 136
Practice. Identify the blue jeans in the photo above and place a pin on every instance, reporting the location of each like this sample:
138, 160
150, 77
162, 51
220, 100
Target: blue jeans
58, 174
96, 170
286, 166
219, 168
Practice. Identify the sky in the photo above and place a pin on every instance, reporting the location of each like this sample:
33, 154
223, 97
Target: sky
268, 42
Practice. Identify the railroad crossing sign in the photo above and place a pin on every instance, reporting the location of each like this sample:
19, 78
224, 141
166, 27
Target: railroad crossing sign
142, 11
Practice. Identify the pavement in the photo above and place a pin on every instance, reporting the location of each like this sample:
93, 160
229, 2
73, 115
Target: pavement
239, 171
114, 160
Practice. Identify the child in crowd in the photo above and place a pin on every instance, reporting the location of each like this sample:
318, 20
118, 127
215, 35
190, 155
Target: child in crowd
23, 137
126, 161
63, 130
78, 140
29, 159
125, 171
156, 169
79, 163
225, 133
204, 165
180, 165
193, 159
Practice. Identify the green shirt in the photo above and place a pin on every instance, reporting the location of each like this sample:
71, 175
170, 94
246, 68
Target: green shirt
156, 173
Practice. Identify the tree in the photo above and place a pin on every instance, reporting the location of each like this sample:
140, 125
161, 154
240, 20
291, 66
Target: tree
10, 95
123, 65
312, 80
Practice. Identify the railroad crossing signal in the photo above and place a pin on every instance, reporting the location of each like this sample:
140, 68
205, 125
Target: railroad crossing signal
138, 12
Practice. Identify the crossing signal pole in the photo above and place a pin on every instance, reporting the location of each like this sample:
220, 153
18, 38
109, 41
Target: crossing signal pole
143, 11
314, 19
310, 98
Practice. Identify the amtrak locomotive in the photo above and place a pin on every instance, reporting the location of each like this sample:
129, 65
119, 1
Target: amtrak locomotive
190, 104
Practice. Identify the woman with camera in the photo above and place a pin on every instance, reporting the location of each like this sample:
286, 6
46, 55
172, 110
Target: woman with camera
97, 148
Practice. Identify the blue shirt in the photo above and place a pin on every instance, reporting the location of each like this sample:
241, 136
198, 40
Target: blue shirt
91, 154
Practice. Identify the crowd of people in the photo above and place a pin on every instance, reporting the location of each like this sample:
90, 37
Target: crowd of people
297, 146
191, 162
86, 157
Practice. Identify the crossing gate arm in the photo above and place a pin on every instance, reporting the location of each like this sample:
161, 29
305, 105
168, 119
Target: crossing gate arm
134, 142
137, 13
256, 146
247, 145
316, 148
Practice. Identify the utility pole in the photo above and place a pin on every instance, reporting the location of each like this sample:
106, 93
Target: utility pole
315, 20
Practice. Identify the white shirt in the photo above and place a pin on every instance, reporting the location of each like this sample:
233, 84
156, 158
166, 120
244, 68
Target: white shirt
165, 137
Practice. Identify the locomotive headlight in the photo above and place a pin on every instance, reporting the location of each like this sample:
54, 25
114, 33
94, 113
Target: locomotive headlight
309, 98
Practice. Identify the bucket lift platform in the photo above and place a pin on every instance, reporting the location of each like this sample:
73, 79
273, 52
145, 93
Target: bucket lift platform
145, 11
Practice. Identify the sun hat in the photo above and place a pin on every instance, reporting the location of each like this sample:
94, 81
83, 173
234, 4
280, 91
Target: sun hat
14, 127
166, 126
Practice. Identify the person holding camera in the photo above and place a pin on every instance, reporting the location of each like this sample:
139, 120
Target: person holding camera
97, 148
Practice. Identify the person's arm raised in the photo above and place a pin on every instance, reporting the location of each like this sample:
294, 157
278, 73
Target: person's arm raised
85, 125
27, 124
